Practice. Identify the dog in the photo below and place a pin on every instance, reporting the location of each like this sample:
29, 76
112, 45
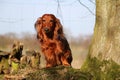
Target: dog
53, 42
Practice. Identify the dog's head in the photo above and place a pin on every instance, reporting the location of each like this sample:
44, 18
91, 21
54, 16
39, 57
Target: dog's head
48, 25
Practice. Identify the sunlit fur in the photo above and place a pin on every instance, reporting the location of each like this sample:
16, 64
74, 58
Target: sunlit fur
53, 43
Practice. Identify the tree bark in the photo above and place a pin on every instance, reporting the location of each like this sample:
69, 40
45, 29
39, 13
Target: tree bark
103, 60
106, 39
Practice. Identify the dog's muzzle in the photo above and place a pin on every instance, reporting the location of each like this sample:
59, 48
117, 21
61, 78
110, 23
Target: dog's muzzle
46, 30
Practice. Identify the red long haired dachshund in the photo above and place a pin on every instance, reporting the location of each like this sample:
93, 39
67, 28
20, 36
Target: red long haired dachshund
53, 43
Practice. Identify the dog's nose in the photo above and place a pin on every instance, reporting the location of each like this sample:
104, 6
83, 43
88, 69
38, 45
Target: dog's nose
46, 30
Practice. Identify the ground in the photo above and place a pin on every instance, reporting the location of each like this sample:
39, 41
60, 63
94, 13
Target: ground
55, 73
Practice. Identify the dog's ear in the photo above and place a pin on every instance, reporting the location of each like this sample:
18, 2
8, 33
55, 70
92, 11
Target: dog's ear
38, 25
38, 28
58, 29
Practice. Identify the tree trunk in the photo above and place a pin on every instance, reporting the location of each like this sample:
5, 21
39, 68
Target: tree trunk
103, 60
106, 39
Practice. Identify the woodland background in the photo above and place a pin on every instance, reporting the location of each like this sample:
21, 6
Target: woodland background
79, 45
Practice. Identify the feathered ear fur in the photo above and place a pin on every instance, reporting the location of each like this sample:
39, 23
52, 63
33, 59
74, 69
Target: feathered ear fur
38, 28
38, 24
58, 29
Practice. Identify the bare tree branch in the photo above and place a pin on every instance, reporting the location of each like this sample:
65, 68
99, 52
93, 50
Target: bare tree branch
86, 7
10, 20
92, 1
59, 11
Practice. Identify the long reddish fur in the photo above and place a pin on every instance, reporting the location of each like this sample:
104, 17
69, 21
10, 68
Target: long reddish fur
53, 42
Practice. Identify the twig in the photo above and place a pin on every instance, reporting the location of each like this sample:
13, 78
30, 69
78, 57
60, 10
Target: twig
86, 7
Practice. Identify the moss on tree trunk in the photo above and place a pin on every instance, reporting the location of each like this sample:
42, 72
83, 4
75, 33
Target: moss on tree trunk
101, 70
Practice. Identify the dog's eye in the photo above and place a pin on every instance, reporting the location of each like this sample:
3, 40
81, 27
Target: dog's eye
51, 20
39, 22
43, 20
